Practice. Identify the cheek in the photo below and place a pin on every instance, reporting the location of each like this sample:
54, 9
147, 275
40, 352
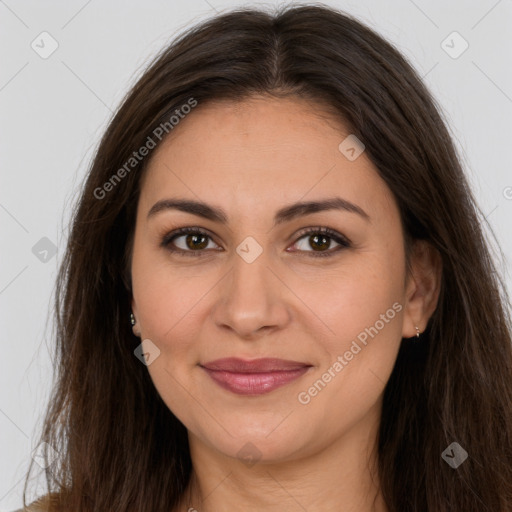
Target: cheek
362, 306
354, 297
363, 311
165, 294
169, 305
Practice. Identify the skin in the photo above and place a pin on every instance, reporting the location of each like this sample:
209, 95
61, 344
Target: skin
252, 158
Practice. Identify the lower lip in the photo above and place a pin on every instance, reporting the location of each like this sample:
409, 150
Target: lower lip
254, 383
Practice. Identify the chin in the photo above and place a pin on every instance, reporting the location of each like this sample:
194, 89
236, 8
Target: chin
263, 442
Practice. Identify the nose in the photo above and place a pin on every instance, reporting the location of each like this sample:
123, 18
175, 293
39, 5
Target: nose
252, 300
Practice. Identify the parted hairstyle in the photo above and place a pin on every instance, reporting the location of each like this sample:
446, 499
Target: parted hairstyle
120, 447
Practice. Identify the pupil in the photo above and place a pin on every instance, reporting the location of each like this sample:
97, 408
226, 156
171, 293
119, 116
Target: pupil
192, 239
315, 243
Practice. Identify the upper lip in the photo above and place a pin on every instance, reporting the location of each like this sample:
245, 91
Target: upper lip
236, 365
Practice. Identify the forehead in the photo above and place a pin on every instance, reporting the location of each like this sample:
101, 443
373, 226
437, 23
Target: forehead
253, 125
261, 151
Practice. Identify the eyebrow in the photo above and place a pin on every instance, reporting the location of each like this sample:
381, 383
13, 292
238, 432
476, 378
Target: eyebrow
285, 214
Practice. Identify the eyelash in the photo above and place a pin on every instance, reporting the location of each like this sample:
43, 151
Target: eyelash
344, 242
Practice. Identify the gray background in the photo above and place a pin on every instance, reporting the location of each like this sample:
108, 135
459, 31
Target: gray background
55, 109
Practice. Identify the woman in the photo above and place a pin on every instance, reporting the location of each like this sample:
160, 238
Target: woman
276, 293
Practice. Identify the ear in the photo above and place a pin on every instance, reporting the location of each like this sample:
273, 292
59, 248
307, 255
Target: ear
134, 308
135, 328
422, 287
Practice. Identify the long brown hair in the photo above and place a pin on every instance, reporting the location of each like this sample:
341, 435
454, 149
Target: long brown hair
120, 446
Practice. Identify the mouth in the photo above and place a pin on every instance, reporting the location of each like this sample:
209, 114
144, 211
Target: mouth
254, 377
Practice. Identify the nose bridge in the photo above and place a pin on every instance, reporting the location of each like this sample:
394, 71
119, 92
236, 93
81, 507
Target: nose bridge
250, 279
252, 297
250, 268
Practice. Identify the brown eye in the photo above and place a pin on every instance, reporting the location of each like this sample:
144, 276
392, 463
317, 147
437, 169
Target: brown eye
187, 241
196, 241
320, 240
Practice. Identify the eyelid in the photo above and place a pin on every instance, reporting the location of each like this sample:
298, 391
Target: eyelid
176, 233
331, 233
342, 241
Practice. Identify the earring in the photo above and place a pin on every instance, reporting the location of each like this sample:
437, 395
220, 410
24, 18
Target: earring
132, 319
417, 332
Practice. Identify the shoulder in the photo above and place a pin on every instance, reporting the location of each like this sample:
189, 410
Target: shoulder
42, 504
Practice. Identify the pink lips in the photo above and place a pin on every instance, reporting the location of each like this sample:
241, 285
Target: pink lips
254, 377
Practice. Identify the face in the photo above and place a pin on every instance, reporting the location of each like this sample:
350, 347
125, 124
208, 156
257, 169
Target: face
266, 282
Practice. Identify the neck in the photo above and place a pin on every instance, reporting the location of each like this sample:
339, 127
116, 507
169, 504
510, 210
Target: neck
342, 477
